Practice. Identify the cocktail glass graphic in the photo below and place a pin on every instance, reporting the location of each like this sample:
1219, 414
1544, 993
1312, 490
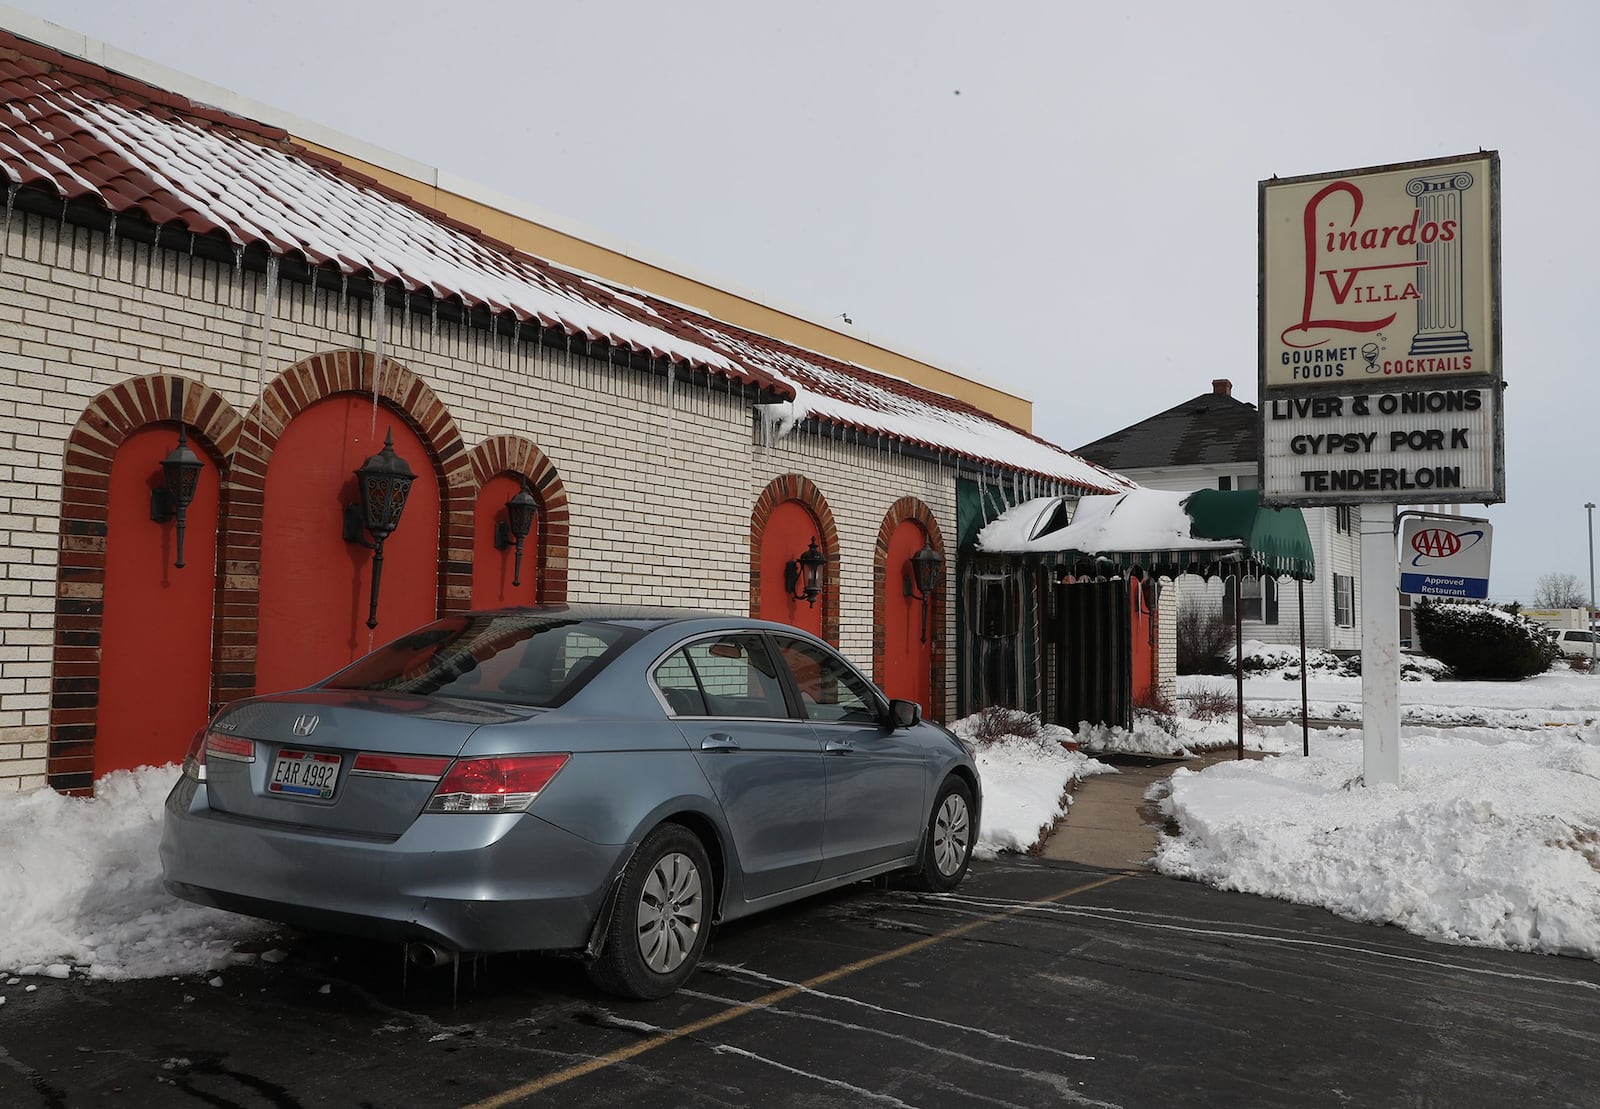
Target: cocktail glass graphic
1369, 351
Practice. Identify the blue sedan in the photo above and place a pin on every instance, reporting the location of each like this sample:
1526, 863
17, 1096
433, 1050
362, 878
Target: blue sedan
598, 780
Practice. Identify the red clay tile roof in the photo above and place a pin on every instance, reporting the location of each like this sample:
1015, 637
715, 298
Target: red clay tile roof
79, 131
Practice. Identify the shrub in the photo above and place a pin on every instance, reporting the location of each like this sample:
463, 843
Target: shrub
1157, 709
1481, 641
995, 723
1203, 636
1212, 704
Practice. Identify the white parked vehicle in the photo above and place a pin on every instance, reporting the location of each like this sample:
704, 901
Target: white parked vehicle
1574, 642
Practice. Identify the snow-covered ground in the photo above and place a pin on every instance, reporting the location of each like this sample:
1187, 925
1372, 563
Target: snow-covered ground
1491, 838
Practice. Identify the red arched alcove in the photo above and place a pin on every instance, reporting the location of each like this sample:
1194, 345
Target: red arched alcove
155, 669
314, 586
907, 637
790, 528
492, 569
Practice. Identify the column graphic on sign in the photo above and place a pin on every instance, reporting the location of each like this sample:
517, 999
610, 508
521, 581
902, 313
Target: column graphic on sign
1441, 311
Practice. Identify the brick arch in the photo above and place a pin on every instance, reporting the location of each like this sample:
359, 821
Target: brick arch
910, 508
293, 391
794, 487
105, 424
511, 454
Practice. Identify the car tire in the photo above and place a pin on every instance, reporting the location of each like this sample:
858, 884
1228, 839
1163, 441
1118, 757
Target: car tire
661, 918
947, 843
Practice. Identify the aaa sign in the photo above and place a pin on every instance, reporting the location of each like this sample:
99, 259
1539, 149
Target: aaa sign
1445, 558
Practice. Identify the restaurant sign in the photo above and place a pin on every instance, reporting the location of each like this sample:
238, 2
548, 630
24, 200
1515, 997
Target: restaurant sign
1443, 557
1379, 355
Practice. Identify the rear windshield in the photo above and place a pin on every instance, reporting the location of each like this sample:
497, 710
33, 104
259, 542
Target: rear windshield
508, 658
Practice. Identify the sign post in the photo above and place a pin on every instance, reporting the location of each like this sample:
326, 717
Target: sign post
1379, 369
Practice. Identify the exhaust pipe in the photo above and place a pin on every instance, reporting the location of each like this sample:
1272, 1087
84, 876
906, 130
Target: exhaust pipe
428, 955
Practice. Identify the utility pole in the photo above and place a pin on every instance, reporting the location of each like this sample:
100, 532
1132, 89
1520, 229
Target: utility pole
1593, 645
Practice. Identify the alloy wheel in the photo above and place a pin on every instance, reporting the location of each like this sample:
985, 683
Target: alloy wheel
670, 912
951, 834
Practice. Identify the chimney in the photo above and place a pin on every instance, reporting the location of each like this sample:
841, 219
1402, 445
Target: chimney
1222, 387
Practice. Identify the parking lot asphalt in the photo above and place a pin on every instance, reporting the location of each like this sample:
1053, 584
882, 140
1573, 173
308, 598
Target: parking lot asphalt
1036, 983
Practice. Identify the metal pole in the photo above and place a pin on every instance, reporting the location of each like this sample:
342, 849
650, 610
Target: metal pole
1238, 656
1305, 710
1592, 643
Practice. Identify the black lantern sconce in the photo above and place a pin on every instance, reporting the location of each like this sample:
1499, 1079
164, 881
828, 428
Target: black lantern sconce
521, 511
802, 577
181, 472
921, 577
383, 482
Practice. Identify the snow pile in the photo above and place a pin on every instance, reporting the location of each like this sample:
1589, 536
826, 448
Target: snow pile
80, 887
1025, 767
1492, 837
1489, 840
1147, 737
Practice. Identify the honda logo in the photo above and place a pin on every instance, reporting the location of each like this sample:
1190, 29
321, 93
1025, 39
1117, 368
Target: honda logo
305, 725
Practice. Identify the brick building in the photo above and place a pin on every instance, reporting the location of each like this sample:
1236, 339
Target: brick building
174, 276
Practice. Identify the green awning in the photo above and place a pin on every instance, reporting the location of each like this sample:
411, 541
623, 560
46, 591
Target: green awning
1208, 532
1274, 538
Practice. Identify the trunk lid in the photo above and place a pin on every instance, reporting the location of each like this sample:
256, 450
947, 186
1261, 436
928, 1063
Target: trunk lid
351, 762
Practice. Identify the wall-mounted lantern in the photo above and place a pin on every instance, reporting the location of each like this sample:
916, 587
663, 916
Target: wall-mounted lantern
802, 577
383, 482
921, 577
181, 474
521, 511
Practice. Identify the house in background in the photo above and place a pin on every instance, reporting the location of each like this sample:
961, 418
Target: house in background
1212, 441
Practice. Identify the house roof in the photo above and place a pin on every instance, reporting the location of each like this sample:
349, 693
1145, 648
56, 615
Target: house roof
1208, 430
81, 132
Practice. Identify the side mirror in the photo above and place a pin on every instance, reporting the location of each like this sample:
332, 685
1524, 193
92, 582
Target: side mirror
904, 714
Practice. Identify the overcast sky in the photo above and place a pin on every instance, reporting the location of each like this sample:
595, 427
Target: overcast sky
1058, 196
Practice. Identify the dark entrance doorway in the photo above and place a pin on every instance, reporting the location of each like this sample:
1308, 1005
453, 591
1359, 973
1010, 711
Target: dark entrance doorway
1093, 653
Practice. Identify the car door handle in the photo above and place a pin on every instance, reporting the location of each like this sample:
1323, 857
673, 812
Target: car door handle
838, 747
719, 741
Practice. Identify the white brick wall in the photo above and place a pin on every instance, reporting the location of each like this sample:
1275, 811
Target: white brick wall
653, 491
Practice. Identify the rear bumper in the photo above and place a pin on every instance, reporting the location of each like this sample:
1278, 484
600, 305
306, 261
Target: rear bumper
470, 882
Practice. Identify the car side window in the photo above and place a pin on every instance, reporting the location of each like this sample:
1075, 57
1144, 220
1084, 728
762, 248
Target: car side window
830, 692
728, 675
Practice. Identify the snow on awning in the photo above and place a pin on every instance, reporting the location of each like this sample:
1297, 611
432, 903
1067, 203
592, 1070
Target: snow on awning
1164, 533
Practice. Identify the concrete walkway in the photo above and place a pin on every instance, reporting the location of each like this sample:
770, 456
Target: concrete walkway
1110, 824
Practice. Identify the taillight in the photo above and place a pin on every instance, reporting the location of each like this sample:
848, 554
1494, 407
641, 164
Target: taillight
213, 745
506, 783
413, 768
230, 747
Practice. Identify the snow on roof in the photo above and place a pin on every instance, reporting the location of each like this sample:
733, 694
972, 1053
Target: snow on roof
83, 132
852, 396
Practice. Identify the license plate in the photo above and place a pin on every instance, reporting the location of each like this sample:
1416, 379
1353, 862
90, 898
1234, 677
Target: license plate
305, 774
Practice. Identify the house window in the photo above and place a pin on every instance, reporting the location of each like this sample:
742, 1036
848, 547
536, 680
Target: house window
1341, 519
1260, 600
1224, 482
1344, 600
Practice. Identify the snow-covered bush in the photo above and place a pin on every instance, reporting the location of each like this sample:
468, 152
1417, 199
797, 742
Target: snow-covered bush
1482, 641
996, 724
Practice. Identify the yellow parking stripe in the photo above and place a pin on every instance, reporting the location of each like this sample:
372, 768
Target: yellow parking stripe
623, 1054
